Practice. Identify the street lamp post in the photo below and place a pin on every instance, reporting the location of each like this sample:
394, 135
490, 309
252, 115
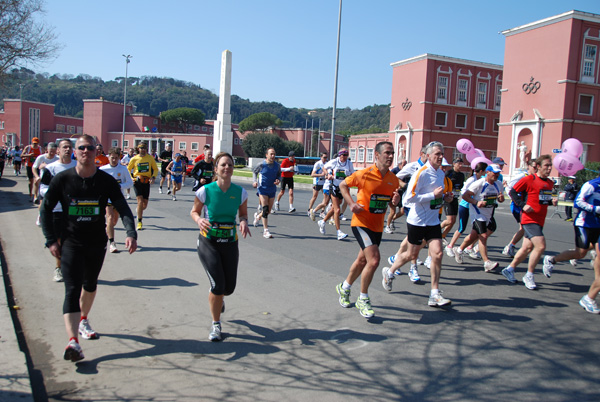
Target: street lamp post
20, 114
337, 64
312, 132
125, 99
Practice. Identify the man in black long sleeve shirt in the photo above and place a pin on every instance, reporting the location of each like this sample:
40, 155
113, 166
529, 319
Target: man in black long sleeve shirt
83, 192
570, 193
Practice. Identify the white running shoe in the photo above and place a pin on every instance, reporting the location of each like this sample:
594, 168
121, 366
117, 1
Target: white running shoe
256, 219
276, 206
589, 306
311, 214
573, 262
529, 282
509, 275
321, 224
341, 235
427, 262
37, 221
331, 221
388, 230
73, 351
419, 262
548, 266
343, 218
474, 255
386, 282
458, 255
267, 234
113, 248
413, 275
391, 259
449, 251
57, 275
86, 331
291, 210
322, 215
174, 198
490, 265
438, 300
128, 196
215, 333
445, 242
509, 250
160, 190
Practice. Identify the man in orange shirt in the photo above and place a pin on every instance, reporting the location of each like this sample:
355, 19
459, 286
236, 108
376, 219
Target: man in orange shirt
101, 159
377, 187
29, 155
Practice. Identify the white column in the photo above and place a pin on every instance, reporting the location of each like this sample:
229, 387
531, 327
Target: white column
222, 134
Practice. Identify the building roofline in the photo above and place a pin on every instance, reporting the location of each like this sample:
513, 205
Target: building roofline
430, 56
28, 101
102, 100
573, 14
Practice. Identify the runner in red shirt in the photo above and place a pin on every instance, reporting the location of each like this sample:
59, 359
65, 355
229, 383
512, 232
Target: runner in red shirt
538, 190
288, 166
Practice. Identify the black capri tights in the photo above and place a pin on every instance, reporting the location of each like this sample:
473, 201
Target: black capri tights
81, 267
220, 261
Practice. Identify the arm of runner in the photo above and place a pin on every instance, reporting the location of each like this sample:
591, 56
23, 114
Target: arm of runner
355, 207
581, 199
243, 214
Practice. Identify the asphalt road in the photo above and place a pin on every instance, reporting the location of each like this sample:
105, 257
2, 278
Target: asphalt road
286, 336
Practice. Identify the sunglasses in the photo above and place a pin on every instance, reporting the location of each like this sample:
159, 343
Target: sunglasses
343, 153
88, 147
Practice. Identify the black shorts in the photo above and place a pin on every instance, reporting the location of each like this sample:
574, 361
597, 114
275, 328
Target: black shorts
586, 236
287, 181
532, 230
482, 227
366, 237
317, 187
29, 172
335, 192
141, 189
81, 267
164, 173
416, 234
451, 208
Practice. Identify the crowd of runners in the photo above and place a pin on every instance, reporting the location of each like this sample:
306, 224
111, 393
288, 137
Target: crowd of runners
82, 192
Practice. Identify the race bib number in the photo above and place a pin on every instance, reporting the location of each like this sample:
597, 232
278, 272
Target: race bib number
84, 210
456, 193
490, 201
378, 203
222, 232
545, 197
143, 167
207, 174
436, 203
340, 174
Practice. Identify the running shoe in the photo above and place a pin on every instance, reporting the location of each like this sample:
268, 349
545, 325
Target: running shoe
427, 262
548, 266
215, 332
160, 190
529, 282
311, 214
331, 221
473, 254
413, 275
364, 307
343, 218
392, 226
419, 262
386, 282
391, 259
174, 198
128, 196
57, 275
589, 305
276, 206
322, 215
139, 226
573, 262
341, 235
291, 210
321, 224
37, 221
509, 250
267, 234
256, 219
449, 251
73, 351
344, 296
388, 230
438, 300
36, 201
458, 255
169, 191
86, 331
445, 242
593, 254
509, 275
113, 248
490, 265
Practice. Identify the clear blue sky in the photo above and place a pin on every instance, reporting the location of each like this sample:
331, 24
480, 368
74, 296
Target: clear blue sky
284, 50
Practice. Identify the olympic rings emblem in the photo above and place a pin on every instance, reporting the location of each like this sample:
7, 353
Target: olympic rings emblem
531, 87
406, 105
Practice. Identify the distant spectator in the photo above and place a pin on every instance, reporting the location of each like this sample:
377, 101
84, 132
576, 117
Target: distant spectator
570, 193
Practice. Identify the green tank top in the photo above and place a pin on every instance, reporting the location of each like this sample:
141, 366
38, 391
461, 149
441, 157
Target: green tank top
222, 209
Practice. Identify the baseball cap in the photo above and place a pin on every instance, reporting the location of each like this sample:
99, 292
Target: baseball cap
571, 177
291, 153
494, 168
35, 140
177, 154
498, 160
445, 162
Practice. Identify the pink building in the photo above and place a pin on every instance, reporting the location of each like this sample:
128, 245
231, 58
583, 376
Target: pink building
438, 98
551, 87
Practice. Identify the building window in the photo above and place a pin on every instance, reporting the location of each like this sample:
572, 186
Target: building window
155, 121
60, 128
361, 155
461, 120
71, 129
34, 123
352, 155
498, 96
204, 128
235, 141
196, 127
482, 93
463, 88
479, 123
442, 92
182, 146
495, 126
589, 62
586, 102
370, 155
440, 119
125, 144
114, 143
456, 154
241, 140
1, 125
79, 130
194, 146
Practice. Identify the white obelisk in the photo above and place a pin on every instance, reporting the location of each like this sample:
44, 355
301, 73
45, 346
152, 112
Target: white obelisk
223, 136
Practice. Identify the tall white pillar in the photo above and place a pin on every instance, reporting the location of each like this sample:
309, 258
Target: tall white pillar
222, 135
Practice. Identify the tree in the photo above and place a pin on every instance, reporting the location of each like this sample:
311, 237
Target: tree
255, 145
23, 38
259, 122
183, 116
